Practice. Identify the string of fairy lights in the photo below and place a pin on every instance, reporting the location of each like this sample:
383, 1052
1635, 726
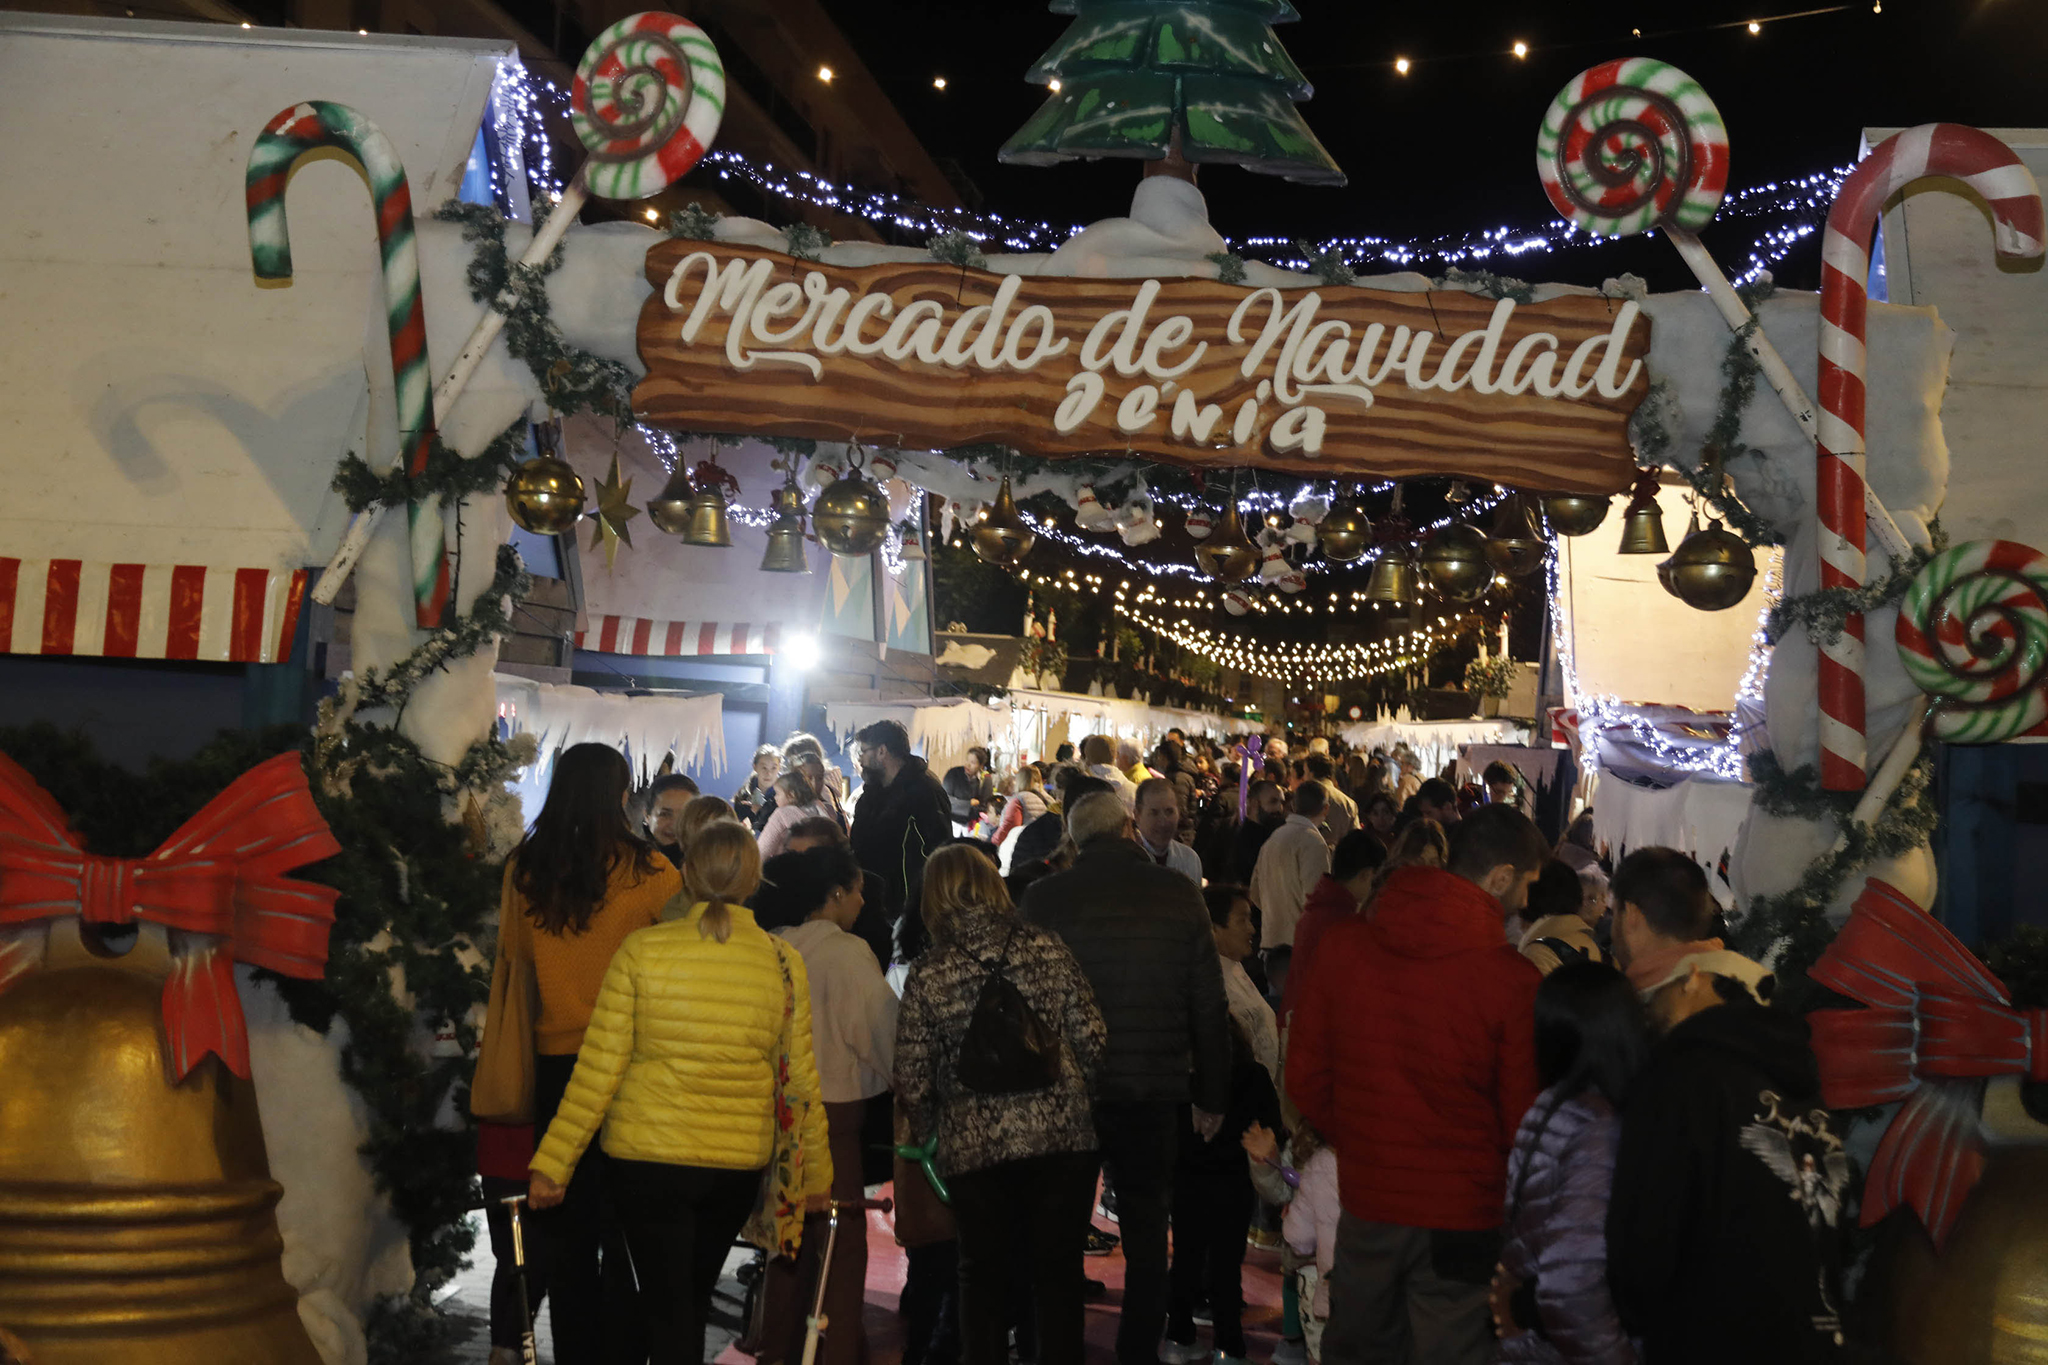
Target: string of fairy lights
1285, 662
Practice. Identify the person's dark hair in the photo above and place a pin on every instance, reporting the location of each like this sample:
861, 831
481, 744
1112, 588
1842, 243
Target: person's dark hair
795, 885
1580, 831
1078, 785
1359, 851
1669, 888
1222, 898
1275, 771
1310, 800
1152, 785
1590, 1031
670, 782
1063, 754
1493, 835
1258, 785
1557, 891
799, 744
1436, 792
816, 827
565, 862
888, 736
1320, 766
1498, 771
1378, 799
980, 753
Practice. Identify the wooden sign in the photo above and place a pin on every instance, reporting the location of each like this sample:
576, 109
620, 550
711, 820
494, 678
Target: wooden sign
1337, 380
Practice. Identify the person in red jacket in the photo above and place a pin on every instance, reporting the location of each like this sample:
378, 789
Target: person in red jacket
1412, 1049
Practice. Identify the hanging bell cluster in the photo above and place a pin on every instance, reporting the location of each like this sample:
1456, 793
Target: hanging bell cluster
1228, 554
785, 552
1642, 523
545, 495
1345, 530
1001, 536
1455, 563
1711, 570
1515, 545
851, 516
1393, 578
1574, 514
707, 523
669, 509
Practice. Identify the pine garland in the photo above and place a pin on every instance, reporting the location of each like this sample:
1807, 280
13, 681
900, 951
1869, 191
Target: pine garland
1229, 266
1487, 283
1796, 918
955, 247
804, 242
487, 622
1825, 611
447, 475
693, 223
1328, 266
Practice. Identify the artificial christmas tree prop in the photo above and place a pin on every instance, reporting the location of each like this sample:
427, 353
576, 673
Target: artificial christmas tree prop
1188, 82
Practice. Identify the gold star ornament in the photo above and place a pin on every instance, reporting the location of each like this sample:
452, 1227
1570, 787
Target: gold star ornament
613, 512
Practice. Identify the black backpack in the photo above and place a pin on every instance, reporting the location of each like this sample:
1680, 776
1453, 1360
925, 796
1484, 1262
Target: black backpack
1007, 1049
1567, 952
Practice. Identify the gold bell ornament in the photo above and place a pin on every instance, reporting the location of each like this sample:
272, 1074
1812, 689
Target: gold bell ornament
1000, 535
707, 524
1393, 577
1455, 564
669, 509
545, 494
1515, 544
137, 1212
1228, 553
1711, 570
1346, 531
785, 552
1642, 523
851, 515
1574, 514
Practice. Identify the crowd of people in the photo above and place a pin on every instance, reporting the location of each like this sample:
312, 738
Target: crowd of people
1489, 1101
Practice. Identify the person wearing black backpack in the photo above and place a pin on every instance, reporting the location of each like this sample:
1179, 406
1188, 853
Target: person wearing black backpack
1563, 913
998, 1043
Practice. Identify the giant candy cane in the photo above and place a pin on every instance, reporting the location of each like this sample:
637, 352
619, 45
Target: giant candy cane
293, 134
1990, 168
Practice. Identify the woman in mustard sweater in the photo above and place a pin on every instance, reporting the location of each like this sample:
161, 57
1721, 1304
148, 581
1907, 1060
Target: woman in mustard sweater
576, 886
678, 1068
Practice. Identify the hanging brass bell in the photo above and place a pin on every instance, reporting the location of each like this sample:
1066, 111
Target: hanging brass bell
1346, 532
1227, 554
707, 524
1642, 524
1001, 536
137, 1214
669, 509
1574, 514
1393, 578
1711, 570
545, 496
1455, 564
1515, 545
851, 516
785, 552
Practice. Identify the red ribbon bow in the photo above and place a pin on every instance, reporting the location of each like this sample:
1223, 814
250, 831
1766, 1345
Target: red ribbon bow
219, 877
1938, 1023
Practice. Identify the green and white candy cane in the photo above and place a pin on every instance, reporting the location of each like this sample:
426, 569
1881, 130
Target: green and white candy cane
1973, 634
288, 138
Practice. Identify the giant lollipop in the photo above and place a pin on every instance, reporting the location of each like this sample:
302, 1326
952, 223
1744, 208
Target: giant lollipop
646, 103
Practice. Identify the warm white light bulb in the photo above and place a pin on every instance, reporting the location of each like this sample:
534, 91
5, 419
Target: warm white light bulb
825, 74
1521, 49
1401, 65
938, 82
1053, 86
653, 217
1755, 27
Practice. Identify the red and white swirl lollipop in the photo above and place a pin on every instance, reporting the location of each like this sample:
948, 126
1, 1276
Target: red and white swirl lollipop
1632, 145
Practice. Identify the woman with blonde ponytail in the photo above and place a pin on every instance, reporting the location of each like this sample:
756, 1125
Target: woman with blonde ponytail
679, 1068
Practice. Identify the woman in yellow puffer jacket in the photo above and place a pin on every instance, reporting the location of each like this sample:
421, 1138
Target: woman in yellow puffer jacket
679, 1067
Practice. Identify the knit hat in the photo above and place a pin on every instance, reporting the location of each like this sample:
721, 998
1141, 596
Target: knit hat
1754, 976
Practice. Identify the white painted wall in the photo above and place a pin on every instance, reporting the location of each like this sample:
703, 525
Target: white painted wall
1937, 248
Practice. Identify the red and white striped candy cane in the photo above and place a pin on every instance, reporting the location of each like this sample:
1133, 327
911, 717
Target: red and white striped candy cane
1990, 168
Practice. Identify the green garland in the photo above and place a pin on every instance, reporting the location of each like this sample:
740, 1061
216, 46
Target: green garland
804, 242
1487, 283
1229, 266
448, 475
693, 223
1328, 266
1797, 916
487, 622
955, 247
1825, 611
573, 379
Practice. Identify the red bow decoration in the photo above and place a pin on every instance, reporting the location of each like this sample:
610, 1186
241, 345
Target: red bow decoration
1938, 1024
219, 880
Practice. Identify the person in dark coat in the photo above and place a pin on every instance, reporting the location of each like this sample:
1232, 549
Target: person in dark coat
1729, 1182
1551, 1303
1142, 936
902, 816
1265, 811
970, 787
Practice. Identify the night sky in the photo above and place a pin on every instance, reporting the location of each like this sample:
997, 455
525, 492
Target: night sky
1450, 147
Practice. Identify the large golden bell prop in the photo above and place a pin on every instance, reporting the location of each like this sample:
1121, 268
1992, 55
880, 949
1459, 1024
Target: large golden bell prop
136, 1215
1002, 537
669, 509
1515, 544
851, 516
786, 533
1574, 514
1345, 532
1227, 554
1455, 564
1711, 569
545, 496
706, 524
1393, 578
1642, 524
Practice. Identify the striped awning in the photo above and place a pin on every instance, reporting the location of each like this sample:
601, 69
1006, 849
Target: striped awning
149, 611
677, 639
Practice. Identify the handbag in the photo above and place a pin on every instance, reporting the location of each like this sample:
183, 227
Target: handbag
922, 1218
502, 1089
777, 1223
